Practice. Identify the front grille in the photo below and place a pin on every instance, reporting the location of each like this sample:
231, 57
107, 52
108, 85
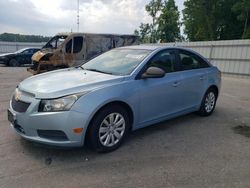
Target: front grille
19, 106
52, 135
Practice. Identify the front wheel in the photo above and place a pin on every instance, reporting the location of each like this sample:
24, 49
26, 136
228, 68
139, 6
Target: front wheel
14, 63
108, 129
208, 103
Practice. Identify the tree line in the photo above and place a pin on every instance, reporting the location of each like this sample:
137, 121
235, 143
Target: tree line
203, 20
10, 37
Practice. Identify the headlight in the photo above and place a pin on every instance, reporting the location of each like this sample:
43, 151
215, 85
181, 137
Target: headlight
60, 104
46, 57
3, 58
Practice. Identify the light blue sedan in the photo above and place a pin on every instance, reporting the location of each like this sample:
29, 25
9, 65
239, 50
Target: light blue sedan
123, 89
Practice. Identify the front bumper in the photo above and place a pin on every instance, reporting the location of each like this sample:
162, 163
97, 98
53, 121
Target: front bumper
32, 123
3, 61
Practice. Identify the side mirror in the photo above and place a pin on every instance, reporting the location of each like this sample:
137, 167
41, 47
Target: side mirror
153, 72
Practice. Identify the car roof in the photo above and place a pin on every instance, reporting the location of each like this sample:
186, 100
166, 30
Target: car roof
153, 47
29, 48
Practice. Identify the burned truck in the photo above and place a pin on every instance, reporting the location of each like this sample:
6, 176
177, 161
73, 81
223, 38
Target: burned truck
73, 49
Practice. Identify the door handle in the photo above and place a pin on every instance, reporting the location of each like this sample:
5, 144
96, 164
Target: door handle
202, 77
175, 84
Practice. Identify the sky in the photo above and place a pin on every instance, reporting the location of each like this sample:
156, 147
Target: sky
48, 17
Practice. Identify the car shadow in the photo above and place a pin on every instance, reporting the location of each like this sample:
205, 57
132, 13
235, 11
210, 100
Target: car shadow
61, 154
23, 65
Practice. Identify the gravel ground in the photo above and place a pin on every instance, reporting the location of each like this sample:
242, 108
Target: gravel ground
189, 151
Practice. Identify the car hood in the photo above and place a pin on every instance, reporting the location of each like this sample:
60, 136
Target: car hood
65, 82
6, 54
38, 55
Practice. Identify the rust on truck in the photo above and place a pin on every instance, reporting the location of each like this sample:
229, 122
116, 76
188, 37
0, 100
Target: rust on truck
73, 49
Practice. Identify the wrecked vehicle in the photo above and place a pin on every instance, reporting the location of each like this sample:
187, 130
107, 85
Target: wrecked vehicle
72, 49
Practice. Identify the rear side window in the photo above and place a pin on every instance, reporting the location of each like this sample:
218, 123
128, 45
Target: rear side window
165, 60
28, 51
77, 44
190, 61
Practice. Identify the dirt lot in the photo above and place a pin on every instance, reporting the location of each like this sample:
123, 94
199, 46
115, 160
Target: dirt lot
189, 151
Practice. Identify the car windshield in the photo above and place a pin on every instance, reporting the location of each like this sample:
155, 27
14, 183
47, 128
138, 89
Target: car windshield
55, 41
20, 51
117, 62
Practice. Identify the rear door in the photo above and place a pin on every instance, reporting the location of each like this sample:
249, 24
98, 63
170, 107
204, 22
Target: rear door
194, 78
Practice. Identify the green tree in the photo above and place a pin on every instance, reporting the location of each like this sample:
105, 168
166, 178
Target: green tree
153, 9
228, 26
144, 33
243, 9
11, 37
168, 22
199, 19
165, 24
214, 19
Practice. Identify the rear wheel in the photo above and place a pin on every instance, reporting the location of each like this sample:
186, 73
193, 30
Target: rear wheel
14, 63
108, 129
208, 103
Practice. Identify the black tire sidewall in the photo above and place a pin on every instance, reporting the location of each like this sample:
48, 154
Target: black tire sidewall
14, 63
93, 133
202, 111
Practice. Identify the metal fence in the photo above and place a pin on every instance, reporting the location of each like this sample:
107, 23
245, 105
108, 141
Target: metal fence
230, 56
7, 47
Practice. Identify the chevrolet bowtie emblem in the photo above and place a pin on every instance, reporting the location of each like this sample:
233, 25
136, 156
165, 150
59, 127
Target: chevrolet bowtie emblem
18, 95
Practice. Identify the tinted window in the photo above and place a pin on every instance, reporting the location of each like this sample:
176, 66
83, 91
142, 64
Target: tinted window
35, 50
68, 46
28, 51
77, 44
191, 61
164, 60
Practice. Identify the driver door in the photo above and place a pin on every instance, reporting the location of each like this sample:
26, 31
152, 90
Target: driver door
160, 97
74, 55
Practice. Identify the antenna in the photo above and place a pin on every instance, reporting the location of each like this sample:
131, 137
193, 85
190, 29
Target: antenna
78, 16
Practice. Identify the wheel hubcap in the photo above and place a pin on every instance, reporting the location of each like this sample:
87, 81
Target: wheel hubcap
112, 129
209, 102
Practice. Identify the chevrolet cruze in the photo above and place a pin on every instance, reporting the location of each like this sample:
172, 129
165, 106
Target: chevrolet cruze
123, 89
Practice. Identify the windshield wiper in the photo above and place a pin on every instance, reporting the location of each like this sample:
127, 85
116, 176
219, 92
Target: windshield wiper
96, 70
79, 67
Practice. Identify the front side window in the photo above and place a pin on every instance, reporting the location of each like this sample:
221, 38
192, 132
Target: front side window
191, 61
55, 42
26, 52
118, 61
164, 60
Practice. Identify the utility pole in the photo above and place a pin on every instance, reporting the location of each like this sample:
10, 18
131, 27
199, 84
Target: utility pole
78, 16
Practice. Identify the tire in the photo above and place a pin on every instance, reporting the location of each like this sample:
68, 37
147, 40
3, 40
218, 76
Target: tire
108, 129
14, 63
208, 103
